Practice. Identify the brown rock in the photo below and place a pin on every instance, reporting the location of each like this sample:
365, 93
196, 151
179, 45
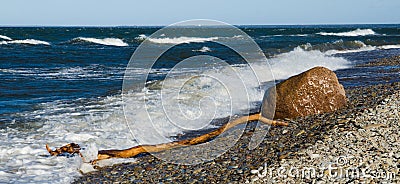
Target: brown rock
312, 92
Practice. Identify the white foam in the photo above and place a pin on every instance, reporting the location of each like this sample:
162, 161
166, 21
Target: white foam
141, 37
91, 152
86, 167
105, 41
363, 47
300, 35
5, 37
356, 46
195, 93
280, 35
113, 161
78, 137
389, 47
203, 49
24, 158
357, 32
299, 60
180, 40
27, 41
71, 73
204, 90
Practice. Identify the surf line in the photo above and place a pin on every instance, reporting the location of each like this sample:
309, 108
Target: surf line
73, 148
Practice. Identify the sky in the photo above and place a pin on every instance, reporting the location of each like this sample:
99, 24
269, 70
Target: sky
165, 12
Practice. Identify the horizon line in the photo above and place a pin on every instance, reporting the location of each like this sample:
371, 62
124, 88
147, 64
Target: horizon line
238, 25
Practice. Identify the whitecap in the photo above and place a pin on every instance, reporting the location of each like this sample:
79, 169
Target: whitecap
357, 32
203, 49
280, 35
385, 47
362, 48
105, 41
141, 37
5, 37
180, 40
27, 41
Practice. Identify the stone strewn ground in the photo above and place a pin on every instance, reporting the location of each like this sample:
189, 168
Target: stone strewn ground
364, 148
364, 129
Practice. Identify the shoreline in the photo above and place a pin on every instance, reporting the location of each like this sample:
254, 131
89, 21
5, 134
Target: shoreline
240, 164
75, 96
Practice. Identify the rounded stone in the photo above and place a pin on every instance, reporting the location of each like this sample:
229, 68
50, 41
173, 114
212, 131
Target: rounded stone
312, 92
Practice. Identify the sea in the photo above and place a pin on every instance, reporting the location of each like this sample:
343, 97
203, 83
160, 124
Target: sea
64, 84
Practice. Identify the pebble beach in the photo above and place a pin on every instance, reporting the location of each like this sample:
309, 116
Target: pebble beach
358, 143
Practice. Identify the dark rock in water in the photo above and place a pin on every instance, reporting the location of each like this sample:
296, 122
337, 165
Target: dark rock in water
312, 92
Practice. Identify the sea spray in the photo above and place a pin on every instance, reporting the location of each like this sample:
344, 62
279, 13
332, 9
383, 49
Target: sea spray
292, 63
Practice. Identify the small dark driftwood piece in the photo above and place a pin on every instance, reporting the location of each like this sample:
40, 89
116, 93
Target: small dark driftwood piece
70, 148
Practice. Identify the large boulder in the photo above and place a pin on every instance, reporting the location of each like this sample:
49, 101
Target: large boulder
312, 92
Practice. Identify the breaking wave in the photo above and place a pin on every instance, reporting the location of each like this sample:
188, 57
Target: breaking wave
105, 41
203, 49
299, 60
281, 35
27, 41
357, 32
389, 47
5, 37
180, 40
141, 37
339, 46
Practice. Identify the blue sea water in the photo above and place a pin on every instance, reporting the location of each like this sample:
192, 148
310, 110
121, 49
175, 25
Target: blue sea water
61, 84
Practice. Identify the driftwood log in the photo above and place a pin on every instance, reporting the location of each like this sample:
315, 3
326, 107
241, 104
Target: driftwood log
134, 151
70, 148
